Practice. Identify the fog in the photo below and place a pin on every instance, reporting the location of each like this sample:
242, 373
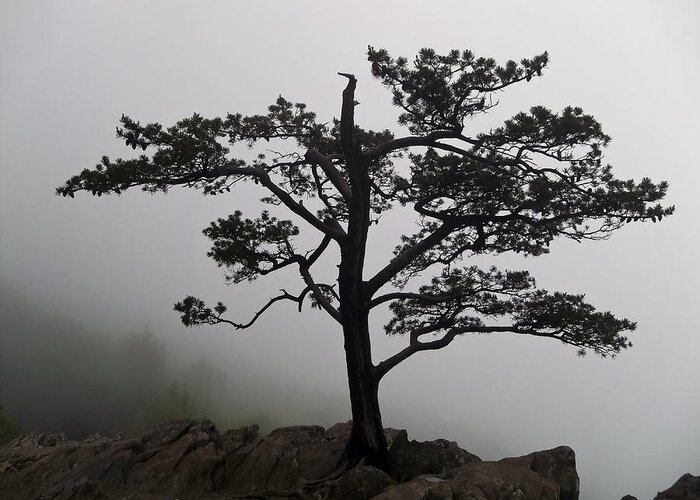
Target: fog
89, 341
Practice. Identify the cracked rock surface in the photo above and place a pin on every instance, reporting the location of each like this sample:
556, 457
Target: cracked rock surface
192, 459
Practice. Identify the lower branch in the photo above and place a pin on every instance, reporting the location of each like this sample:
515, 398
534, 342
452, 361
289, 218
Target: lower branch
413, 347
195, 313
318, 294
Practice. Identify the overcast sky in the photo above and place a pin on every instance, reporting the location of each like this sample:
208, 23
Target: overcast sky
68, 70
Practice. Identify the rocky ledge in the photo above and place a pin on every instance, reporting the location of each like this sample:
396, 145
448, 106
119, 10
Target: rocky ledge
192, 460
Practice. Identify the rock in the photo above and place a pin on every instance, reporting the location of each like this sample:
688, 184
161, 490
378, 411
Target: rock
477, 481
182, 458
628, 497
410, 459
496, 480
686, 488
360, 483
283, 460
421, 489
558, 464
191, 459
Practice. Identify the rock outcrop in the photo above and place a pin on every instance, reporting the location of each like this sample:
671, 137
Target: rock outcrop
409, 459
182, 458
191, 459
557, 464
686, 488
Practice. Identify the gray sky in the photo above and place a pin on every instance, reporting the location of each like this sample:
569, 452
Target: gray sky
69, 69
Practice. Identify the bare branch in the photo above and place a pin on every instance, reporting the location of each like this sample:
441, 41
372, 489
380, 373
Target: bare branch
334, 231
414, 346
331, 172
318, 252
195, 313
284, 296
402, 260
433, 299
318, 293
427, 140
347, 116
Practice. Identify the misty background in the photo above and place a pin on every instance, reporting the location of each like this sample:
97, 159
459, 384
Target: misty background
89, 341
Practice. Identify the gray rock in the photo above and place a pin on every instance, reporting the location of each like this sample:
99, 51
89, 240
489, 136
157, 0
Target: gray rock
410, 459
477, 481
499, 480
191, 459
360, 483
182, 458
686, 488
558, 464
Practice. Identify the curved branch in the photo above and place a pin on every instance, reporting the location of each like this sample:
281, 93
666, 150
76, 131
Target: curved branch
195, 313
319, 251
318, 293
404, 259
331, 172
413, 347
428, 140
260, 312
334, 231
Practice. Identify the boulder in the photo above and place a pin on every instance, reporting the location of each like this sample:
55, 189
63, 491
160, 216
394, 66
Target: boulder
498, 480
410, 459
361, 483
686, 488
477, 481
628, 497
426, 488
558, 464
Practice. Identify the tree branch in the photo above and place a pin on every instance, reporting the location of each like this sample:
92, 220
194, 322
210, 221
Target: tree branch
412, 141
347, 116
319, 251
402, 260
334, 231
318, 293
434, 299
331, 172
195, 313
260, 312
414, 346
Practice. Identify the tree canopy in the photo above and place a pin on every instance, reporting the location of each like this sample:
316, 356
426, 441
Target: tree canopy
513, 188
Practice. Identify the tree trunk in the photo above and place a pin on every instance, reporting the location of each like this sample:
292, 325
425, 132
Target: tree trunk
367, 439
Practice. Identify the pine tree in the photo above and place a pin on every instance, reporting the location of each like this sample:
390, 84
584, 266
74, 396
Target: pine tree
514, 188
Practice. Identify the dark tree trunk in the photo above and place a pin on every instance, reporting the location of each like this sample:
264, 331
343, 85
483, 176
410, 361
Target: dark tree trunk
367, 439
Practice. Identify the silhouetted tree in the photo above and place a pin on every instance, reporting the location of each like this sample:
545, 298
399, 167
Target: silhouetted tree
510, 189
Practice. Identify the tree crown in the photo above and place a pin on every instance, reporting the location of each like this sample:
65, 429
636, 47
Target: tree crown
514, 188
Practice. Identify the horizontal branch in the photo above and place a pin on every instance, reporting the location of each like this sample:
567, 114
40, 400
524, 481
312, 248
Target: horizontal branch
411, 141
433, 299
195, 313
